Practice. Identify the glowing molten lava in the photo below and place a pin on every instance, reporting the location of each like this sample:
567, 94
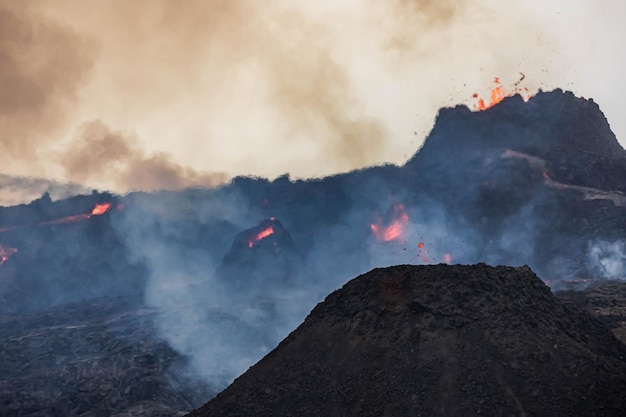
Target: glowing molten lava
100, 209
261, 235
5, 253
395, 228
498, 94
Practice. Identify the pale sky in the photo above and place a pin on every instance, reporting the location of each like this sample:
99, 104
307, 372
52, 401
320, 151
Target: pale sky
153, 94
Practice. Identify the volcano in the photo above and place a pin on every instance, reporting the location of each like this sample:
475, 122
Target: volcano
214, 280
437, 341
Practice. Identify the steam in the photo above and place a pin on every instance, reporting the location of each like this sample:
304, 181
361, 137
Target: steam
608, 259
223, 327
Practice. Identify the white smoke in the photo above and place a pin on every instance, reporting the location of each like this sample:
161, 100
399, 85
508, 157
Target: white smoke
608, 259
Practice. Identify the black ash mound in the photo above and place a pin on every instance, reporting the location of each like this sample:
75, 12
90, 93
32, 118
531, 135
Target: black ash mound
437, 341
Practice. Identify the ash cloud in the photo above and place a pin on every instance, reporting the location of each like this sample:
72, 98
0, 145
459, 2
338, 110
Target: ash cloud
101, 156
246, 88
15, 190
43, 64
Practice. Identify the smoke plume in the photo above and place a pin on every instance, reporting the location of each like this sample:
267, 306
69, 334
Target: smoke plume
103, 157
240, 87
608, 258
43, 64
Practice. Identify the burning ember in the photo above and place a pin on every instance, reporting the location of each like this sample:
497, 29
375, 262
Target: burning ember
498, 94
261, 235
395, 229
422, 252
5, 253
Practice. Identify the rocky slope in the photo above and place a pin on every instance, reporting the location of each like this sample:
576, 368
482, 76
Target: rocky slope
437, 341
102, 358
606, 301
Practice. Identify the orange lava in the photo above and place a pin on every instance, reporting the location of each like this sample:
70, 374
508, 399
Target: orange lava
261, 235
498, 94
100, 209
395, 229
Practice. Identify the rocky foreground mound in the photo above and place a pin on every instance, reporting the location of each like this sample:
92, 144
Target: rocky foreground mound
437, 341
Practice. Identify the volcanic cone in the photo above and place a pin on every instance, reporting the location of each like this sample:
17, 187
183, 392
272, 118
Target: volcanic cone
437, 341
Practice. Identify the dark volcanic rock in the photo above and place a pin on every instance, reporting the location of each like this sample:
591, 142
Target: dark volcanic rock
604, 300
101, 358
437, 341
569, 132
263, 254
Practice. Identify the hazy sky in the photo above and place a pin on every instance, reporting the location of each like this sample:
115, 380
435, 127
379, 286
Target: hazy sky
150, 94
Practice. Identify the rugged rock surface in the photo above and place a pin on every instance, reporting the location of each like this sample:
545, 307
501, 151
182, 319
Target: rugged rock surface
604, 300
437, 341
98, 359
265, 253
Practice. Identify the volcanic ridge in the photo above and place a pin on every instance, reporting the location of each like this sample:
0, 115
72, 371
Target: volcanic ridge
437, 341
150, 303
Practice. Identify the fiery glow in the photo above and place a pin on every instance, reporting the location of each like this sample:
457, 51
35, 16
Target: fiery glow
261, 235
422, 252
5, 253
395, 229
100, 209
447, 258
498, 94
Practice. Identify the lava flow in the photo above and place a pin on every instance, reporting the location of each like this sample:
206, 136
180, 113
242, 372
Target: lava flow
261, 235
5, 253
395, 229
98, 210
498, 94
589, 193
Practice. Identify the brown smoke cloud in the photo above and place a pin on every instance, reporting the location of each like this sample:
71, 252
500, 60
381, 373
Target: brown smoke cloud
165, 50
104, 157
412, 17
42, 65
191, 92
